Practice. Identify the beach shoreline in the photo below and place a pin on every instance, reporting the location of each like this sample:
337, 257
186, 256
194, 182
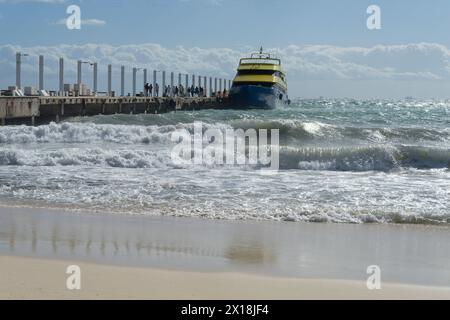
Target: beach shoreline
122, 256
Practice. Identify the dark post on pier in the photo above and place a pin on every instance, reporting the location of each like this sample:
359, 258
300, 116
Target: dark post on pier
28, 105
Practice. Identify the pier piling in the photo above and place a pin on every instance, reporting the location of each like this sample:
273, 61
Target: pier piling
95, 65
145, 78
154, 80
79, 64
18, 70
210, 86
41, 72
109, 80
134, 81
61, 76
163, 81
122, 81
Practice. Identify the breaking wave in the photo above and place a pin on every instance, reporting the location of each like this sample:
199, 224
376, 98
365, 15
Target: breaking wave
302, 131
292, 132
88, 133
382, 158
335, 159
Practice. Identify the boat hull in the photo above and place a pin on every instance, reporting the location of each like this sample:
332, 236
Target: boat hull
256, 97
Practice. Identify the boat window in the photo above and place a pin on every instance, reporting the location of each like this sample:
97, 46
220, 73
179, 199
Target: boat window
260, 61
258, 72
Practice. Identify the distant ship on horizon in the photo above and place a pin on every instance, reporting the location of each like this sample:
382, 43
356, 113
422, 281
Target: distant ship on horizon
260, 83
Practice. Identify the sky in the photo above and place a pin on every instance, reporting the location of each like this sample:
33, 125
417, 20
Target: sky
326, 47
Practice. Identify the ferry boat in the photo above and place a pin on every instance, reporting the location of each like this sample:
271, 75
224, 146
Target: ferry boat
259, 83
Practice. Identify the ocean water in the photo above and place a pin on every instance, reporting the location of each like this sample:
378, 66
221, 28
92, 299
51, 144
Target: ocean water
342, 161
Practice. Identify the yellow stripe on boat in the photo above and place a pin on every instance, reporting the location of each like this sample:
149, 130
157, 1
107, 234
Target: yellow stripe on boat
260, 78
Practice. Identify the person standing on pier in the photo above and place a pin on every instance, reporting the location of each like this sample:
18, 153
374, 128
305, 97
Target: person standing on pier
150, 90
156, 90
146, 89
181, 91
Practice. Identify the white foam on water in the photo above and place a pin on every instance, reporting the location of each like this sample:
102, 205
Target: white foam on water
341, 161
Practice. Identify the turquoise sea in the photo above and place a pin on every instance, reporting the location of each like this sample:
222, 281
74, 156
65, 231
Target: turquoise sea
342, 161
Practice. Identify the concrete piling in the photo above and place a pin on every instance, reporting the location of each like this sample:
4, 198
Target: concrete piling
79, 72
109, 80
210, 86
163, 81
95, 89
41, 72
145, 77
122, 81
18, 70
134, 81
61, 76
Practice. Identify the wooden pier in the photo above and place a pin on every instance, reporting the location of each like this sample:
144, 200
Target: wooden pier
38, 110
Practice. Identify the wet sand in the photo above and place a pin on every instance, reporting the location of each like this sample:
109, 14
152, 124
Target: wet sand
145, 257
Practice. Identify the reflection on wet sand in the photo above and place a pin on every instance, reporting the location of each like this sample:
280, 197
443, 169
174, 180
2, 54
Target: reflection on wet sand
122, 239
405, 254
256, 255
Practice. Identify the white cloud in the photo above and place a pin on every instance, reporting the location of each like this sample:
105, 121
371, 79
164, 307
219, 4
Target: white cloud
319, 69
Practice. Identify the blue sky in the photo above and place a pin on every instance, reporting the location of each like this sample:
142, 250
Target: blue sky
213, 26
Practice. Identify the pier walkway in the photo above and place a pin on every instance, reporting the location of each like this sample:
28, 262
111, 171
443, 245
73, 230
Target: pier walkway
35, 110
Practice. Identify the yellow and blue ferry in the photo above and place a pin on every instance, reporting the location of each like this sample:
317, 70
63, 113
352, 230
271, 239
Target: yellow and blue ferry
260, 83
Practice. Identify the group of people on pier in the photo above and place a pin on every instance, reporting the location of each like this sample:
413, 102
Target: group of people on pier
151, 90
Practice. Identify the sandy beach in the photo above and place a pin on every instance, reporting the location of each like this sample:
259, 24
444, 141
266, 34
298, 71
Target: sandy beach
142, 257
24, 278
